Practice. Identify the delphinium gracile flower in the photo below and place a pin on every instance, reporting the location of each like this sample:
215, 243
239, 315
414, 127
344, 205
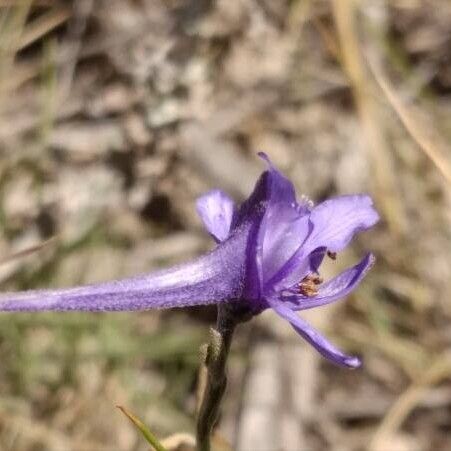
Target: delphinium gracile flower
268, 255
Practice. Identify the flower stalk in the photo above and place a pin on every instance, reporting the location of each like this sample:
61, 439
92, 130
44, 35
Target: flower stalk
215, 362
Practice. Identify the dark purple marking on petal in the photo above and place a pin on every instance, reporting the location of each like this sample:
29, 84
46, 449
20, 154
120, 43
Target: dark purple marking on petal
312, 336
316, 258
216, 209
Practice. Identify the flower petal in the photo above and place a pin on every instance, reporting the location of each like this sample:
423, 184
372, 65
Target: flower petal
284, 226
271, 189
282, 190
316, 258
250, 215
298, 265
312, 336
213, 278
285, 231
216, 210
338, 287
336, 220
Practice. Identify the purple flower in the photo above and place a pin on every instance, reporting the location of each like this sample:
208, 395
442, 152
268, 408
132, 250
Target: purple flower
268, 256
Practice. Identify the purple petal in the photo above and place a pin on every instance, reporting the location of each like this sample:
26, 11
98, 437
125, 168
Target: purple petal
283, 226
297, 266
282, 190
250, 216
213, 278
316, 258
336, 220
338, 287
312, 336
271, 189
284, 232
216, 210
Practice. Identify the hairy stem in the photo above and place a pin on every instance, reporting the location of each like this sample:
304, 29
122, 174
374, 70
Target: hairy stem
216, 358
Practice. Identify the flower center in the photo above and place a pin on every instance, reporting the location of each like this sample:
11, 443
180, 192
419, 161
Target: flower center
308, 286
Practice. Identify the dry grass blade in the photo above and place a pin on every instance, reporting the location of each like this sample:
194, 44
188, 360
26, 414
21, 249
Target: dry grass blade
380, 154
41, 26
28, 251
149, 436
12, 22
440, 370
414, 121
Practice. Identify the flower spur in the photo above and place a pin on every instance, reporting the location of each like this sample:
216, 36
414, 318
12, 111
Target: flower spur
268, 254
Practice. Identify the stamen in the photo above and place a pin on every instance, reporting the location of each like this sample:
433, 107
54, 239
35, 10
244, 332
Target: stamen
306, 201
332, 255
308, 286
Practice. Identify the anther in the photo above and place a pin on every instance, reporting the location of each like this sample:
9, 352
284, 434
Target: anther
308, 286
332, 255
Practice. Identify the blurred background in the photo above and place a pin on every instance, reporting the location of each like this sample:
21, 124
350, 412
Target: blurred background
116, 114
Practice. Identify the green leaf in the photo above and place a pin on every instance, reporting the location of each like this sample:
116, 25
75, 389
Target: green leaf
149, 436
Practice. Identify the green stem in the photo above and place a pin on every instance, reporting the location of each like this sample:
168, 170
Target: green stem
218, 351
